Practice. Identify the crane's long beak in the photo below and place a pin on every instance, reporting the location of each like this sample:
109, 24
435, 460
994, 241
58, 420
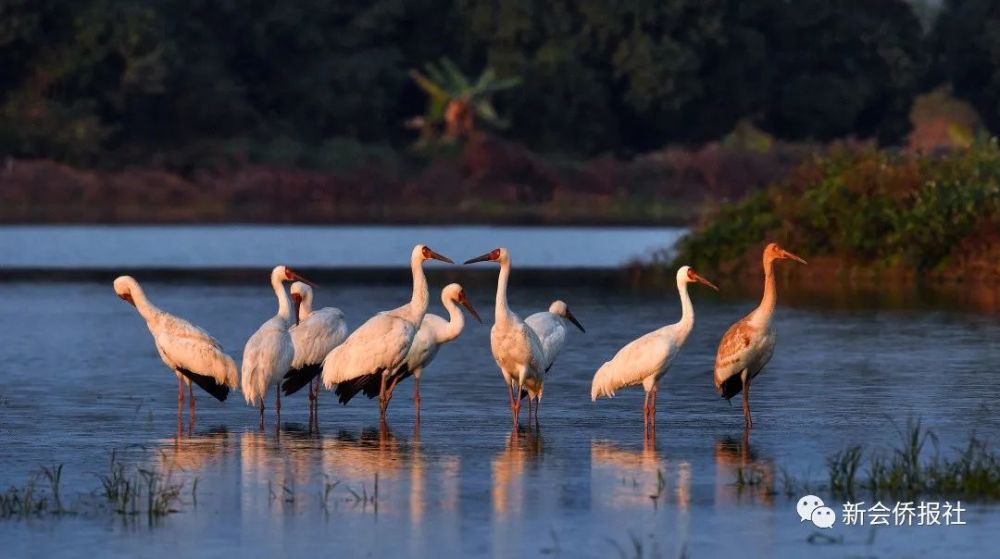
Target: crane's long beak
484, 258
465, 303
571, 318
790, 256
700, 279
297, 277
440, 257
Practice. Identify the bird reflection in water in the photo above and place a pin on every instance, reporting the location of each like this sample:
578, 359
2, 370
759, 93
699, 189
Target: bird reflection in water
740, 473
626, 478
193, 452
523, 448
277, 470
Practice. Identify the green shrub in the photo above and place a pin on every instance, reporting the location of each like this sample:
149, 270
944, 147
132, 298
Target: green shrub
865, 206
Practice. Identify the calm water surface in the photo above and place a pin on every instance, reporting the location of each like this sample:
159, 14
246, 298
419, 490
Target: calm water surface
261, 246
80, 378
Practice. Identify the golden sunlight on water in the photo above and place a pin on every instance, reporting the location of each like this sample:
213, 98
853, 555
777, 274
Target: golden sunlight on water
508, 469
630, 479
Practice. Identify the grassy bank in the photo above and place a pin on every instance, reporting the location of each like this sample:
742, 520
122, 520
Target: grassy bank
865, 214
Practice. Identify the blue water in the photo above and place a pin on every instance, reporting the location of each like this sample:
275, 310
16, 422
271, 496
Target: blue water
263, 246
79, 377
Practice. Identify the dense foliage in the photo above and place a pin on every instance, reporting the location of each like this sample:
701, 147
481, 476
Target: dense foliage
119, 81
867, 207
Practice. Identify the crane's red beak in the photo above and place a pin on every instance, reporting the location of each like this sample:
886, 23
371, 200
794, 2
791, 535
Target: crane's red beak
491, 256
292, 275
790, 256
465, 303
700, 279
436, 256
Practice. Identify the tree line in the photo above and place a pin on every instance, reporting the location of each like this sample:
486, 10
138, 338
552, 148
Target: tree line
95, 82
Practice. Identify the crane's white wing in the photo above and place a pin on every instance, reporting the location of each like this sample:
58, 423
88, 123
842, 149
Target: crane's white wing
515, 348
317, 335
267, 355
551, 333
425, 345
186, 348
379, 344
649, 355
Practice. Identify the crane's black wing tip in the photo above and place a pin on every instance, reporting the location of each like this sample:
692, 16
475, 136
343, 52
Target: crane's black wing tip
295, 379
365, 383
218, 391
730, 387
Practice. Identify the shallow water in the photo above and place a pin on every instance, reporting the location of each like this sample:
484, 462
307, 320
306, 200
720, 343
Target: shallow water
80, 377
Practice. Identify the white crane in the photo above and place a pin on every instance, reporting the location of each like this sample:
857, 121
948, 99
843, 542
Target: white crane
269, 352
316, 334
515, 346
749, 344
550, 327
377, 348
433, 333
189, 351
646, 360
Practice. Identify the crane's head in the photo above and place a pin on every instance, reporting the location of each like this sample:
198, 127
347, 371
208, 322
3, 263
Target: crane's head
496, 255
424, 252
123, 288
560, 308
774, 252
284, 273
455, 292
688, 275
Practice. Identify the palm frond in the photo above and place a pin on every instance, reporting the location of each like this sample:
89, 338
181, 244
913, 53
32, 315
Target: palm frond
430, 87
455, 75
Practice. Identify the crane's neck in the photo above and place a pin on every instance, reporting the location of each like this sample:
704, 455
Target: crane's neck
305, 307
284, 306
687, 309
147, 310
456, 321
762, 316
418, 302
502, 311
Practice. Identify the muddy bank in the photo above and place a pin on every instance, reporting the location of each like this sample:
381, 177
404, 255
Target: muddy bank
488, 181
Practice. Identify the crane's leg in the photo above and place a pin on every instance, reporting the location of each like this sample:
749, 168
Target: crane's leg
510, 396
312, 395
748, 421
517, 405
260, 404
416, 395
316, 395
180, 393
538, 404
645, 414
392, 390
382, 402
190, 406
652, 414
277, 401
